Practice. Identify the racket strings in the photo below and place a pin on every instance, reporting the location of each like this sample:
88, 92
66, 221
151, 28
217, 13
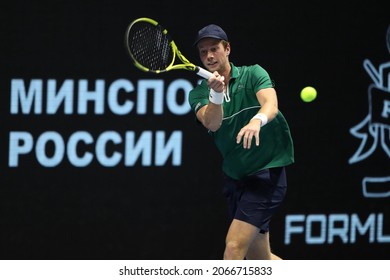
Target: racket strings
150, 46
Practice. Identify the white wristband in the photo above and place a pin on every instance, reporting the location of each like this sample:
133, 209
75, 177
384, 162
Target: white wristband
262, 117
216, 97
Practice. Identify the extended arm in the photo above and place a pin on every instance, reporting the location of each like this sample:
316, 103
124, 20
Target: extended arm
211, 115
268, 111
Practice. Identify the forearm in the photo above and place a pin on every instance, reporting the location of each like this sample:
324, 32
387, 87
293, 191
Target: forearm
269, 103
270, 110
212, 116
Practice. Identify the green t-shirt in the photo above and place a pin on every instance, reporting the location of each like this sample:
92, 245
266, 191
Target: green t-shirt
240, 105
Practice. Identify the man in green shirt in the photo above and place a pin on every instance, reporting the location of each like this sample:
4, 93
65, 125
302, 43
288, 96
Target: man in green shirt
239, 107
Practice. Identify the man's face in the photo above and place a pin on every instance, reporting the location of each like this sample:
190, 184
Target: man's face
213, 54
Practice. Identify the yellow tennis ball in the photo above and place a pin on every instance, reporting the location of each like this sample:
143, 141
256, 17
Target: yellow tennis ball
308, 94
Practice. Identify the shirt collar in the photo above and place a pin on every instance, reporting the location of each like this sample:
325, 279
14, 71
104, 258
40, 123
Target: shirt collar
235, 72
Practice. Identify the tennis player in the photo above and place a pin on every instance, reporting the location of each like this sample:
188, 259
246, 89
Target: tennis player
239, 108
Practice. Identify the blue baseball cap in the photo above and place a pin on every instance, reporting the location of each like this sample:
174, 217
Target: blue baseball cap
211, 31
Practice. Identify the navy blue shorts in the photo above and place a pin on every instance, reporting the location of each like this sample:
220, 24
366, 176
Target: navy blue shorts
254, 199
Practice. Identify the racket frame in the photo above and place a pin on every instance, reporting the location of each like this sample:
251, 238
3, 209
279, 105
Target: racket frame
176, 54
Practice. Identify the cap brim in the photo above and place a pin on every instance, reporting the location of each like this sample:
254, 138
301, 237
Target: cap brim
207, 36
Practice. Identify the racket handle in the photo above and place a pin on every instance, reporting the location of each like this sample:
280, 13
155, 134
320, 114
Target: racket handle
203, 72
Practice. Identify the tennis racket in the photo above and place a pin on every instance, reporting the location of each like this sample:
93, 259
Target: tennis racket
152, 49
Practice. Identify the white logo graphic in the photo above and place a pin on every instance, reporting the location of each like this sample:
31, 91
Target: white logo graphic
374, 130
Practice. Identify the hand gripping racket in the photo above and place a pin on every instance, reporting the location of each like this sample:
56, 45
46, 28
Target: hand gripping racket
153, 50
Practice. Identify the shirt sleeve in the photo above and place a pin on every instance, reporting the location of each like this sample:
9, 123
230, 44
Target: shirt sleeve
199, 96
261, 78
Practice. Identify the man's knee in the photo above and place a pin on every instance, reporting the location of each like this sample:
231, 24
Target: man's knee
235, 250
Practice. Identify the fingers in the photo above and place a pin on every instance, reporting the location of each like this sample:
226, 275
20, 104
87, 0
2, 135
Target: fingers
246, 136
219, 77
216, 82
